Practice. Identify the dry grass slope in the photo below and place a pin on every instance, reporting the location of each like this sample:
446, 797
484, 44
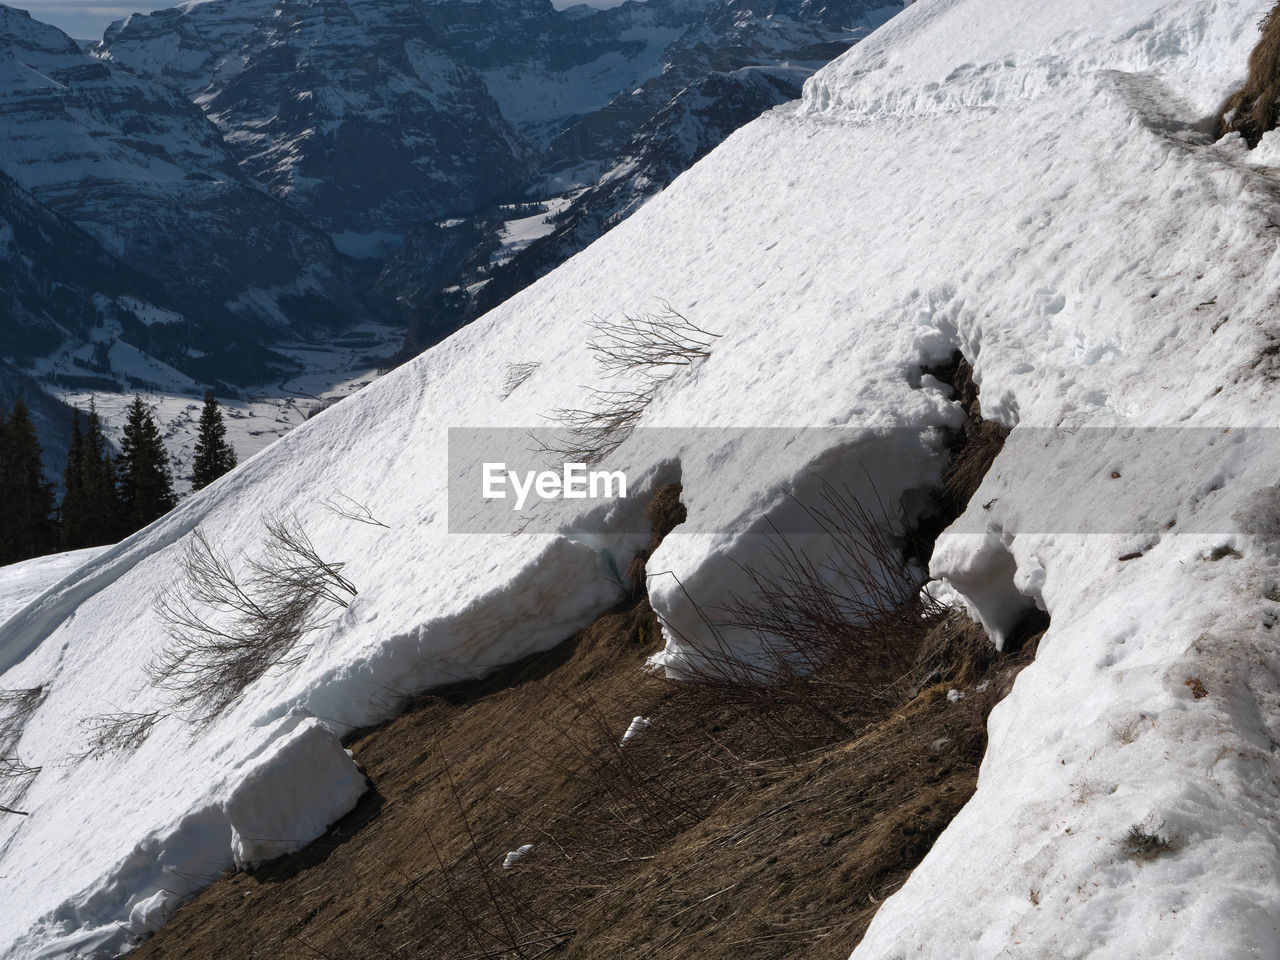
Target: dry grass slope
756, 823
1255, 108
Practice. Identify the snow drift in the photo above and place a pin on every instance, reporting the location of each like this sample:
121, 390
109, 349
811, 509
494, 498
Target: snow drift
1033, 185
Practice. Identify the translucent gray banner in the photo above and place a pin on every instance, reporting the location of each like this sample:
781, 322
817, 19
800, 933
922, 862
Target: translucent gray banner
1095, 480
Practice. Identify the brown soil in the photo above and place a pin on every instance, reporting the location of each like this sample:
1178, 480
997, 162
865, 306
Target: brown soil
1255, 108
733, 827
684, 854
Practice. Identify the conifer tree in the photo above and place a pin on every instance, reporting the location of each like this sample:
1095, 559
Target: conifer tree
27, 527
74, 512
214, 456
146, 488
102, 516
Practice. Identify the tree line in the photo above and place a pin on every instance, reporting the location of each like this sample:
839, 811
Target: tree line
104, 498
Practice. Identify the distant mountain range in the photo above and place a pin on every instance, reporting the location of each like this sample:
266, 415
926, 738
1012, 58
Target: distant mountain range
212, 177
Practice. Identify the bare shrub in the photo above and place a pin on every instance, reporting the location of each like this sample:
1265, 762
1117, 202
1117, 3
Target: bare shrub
651, 343
649, 348
16, 708
1143, 844
16, 778
517, 374
121, 732
226, 632
594, 433
293, 572
834, 641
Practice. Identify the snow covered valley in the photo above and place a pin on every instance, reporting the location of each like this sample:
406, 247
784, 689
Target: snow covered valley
1034, 186
326, 370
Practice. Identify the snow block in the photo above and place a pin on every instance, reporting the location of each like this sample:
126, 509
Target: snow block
984, 577
291, 796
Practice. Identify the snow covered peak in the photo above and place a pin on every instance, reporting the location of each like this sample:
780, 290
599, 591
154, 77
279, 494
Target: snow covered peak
19, 30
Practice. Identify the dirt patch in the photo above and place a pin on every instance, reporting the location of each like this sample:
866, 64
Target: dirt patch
973, 447
675, 845
729, 824
664, 512
1252, 110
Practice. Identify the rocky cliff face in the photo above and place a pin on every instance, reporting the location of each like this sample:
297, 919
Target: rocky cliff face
63, 292
256, 164
142, 171
370, 117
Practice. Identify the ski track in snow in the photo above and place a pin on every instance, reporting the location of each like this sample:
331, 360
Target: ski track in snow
1028, 183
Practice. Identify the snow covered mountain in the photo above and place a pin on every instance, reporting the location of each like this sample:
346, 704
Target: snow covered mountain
141, 170
64, 292
1033, 185
729, 67
376, 118
361, 125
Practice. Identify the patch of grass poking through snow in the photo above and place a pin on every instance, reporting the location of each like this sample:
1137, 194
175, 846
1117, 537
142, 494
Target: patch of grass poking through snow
1142, 845
1255, 108
227, 630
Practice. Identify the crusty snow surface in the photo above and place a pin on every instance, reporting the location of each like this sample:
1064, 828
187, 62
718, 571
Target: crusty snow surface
1028, 182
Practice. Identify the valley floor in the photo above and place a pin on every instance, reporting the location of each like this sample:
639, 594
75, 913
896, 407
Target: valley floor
331, 369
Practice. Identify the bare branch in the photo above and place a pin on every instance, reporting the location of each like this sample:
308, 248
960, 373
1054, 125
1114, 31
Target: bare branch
15, 780
652, 343
351, 509
120, 732
593, 434
16, 708
226, 632
652, 348
834, 639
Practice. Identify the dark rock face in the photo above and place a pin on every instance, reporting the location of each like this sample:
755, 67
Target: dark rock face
62, 291
259, 167
140, 169
369, 117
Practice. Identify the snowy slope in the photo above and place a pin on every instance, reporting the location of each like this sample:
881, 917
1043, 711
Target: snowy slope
1023, 182
20, 583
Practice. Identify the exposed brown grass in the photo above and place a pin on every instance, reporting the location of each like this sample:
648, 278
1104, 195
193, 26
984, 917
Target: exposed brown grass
664, 512
747, 820
1253, 110
694, 839
974, 447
